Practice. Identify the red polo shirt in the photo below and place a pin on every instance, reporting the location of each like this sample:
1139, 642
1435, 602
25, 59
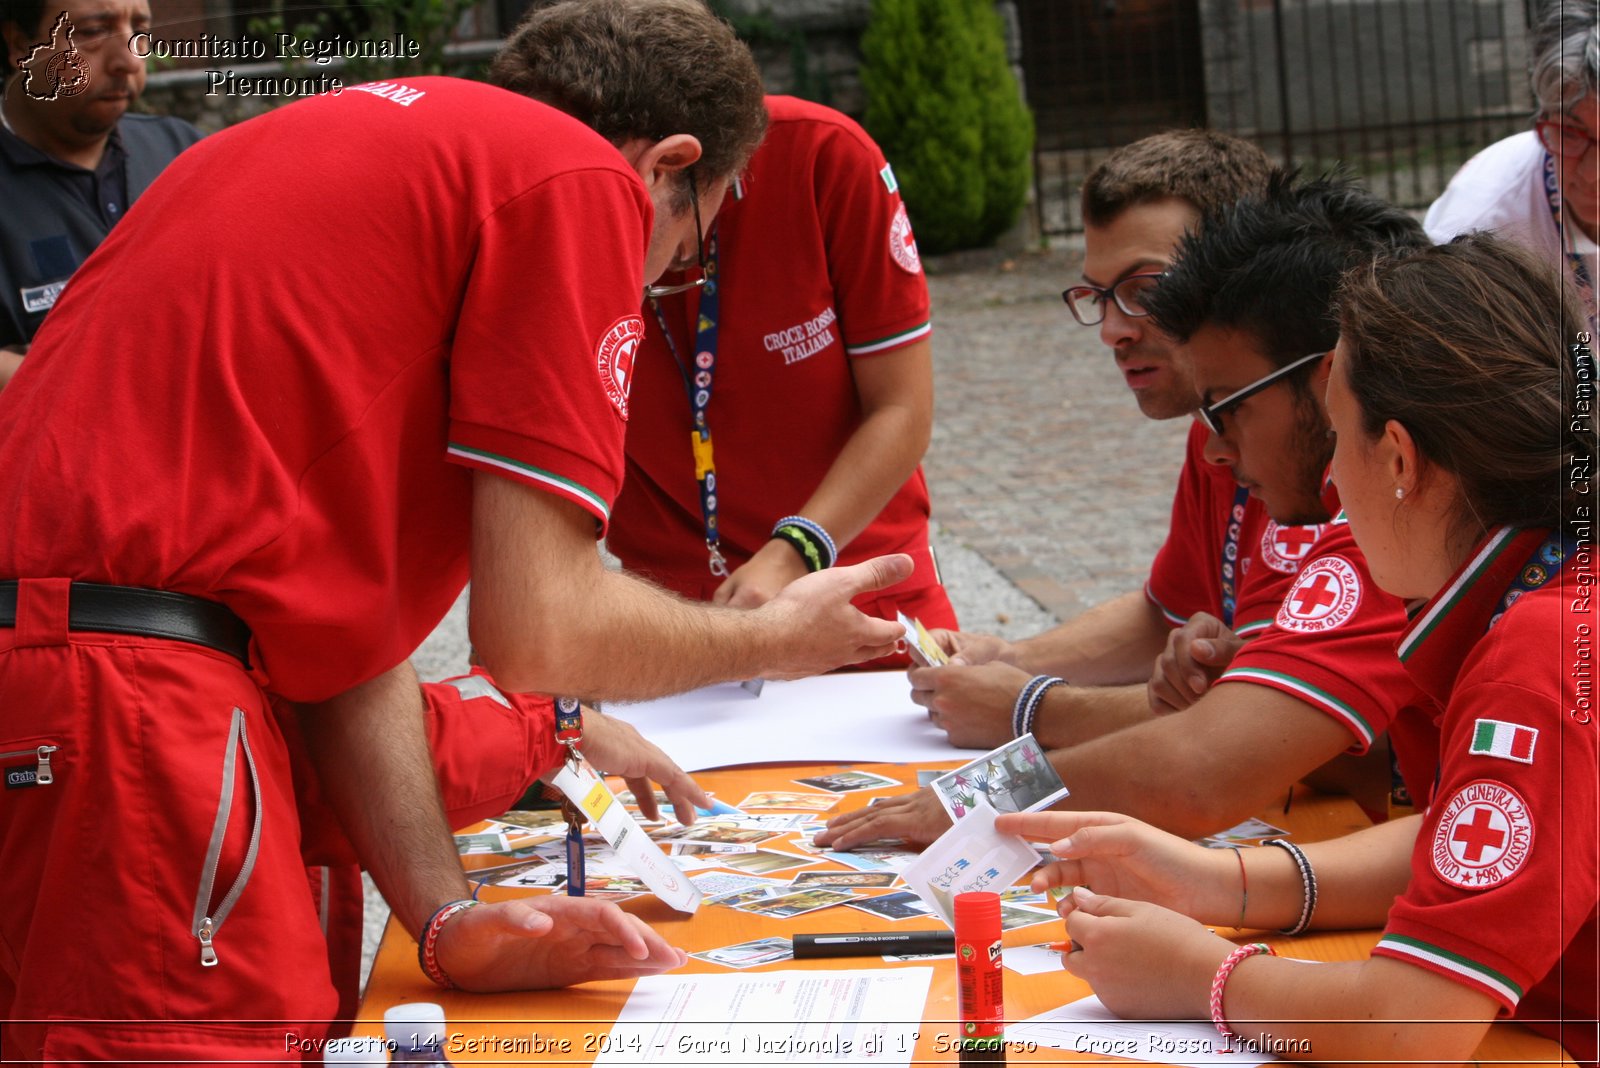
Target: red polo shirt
432, 277
817, 268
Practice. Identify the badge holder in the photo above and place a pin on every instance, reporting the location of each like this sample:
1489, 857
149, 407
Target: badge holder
569, 731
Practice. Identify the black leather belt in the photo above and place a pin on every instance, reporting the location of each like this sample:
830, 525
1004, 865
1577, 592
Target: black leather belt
148, 613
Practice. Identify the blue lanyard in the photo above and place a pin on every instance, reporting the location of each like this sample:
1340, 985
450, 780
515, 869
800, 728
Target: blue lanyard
1542, 565
1580, 269
1230, 555
698, 387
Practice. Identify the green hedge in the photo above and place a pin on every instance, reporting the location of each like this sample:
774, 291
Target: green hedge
942, 103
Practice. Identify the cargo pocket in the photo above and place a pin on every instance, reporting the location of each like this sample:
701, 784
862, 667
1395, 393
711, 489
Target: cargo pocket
209, 917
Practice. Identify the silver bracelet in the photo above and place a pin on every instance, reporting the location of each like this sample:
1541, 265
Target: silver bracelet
1308, 878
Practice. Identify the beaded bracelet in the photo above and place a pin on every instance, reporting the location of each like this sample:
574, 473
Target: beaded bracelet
808, 539
427, 946
1308, 879
1221, 980
1029, 701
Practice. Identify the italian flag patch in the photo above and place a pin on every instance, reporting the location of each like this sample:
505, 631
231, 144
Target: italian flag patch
1508, 741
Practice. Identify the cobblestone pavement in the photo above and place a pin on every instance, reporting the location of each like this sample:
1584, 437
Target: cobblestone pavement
1041, 461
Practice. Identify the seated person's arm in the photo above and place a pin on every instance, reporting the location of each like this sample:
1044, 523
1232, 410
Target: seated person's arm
895, 390
1221, 760
1105, 655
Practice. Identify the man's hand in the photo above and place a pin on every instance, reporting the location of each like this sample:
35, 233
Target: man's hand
823, 629
971, 704
1197, 653
966, 647
543, 942
617, 748
917, 818
759, 579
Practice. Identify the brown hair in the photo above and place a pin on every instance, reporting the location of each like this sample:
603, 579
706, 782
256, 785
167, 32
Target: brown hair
1208, 169
642, 69
1455, 343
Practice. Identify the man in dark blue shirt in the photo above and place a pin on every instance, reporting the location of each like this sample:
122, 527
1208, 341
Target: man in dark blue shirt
72, 160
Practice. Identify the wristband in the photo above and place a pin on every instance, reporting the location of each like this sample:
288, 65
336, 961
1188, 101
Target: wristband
1244, 886
1026, 709
808, 539
427, 946
1308, 880
1221, 980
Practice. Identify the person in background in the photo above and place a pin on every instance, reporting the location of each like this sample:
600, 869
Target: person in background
1541, 188
1456, 443
784, 405
72, 160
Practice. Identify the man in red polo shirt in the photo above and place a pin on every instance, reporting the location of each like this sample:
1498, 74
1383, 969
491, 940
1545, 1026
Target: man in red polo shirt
806, 362
1222, 557
1250, 296
334, 356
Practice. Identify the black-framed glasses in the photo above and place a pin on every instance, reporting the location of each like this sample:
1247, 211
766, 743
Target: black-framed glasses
653, 292
1088, 303
1564, 138
1211, 414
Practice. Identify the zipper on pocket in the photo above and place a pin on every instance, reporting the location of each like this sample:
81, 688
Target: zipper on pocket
208, 922
42, 775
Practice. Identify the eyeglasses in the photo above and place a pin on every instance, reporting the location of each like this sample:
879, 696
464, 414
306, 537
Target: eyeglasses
1088, 303
1211, 414
1564, 138
653, 292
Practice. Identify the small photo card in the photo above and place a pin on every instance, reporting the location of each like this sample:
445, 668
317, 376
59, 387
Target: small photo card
1014, 778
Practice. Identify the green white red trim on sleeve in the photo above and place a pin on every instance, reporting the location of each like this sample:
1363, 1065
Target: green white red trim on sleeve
1453, 965
892, 341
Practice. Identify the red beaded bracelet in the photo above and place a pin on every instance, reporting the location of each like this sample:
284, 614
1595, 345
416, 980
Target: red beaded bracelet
1221, 980
427, 947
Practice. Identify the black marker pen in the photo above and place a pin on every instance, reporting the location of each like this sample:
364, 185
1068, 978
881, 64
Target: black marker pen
873, 943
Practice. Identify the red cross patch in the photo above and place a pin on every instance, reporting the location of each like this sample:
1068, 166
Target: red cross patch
1484, 836
614, 359
1326, 594
903, 243
1285, 548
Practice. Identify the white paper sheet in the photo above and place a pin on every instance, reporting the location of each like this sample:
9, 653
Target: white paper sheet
786, 1017
1087, 1026
971, 856
863, 716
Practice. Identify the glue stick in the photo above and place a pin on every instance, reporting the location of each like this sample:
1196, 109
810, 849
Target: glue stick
980, 976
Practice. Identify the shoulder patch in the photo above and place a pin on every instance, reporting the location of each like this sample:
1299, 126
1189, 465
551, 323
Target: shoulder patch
887, 174
903, 243
1284, 548
1508, 741
614, 356
1324, 597
1484, 836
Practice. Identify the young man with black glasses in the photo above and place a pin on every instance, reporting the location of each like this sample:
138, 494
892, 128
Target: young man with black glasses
1250, 294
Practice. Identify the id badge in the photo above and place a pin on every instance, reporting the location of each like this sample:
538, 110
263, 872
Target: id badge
633, 847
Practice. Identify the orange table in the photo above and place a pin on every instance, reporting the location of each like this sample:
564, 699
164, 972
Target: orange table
583, 1015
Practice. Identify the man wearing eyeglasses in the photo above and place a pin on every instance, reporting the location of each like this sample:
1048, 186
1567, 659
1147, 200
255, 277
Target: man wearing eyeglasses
1541, 188
1250, 293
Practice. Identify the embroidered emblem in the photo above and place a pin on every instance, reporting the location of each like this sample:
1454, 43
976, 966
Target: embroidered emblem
1484, 836
1284, 548
1325, 596
887, 174
614, 359
1508, 741
903, 243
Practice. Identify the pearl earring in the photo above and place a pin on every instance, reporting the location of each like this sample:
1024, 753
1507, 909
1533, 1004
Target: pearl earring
1399, 494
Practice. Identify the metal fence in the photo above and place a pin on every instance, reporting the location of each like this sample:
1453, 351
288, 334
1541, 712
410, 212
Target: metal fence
1400, 91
